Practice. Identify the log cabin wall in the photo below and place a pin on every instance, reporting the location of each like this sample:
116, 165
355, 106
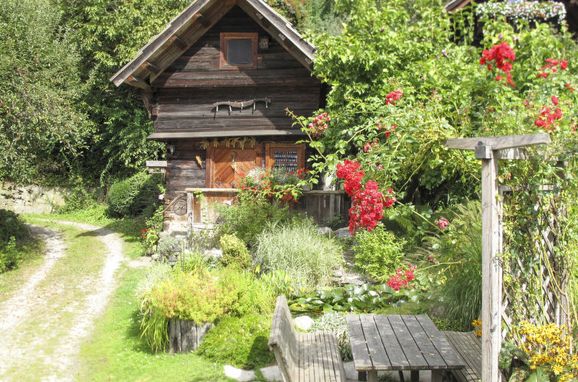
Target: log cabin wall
186, 92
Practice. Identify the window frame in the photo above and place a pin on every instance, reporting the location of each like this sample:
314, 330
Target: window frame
225, 37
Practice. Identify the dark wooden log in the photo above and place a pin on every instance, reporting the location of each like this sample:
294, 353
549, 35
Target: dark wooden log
185, 335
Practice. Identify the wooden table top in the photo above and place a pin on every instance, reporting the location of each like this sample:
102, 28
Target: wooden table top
399, 342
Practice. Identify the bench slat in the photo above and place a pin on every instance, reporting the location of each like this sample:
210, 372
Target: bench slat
470, 349
450, 356
359, 350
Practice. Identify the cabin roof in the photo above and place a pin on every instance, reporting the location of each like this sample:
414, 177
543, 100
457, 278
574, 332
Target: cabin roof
191, 24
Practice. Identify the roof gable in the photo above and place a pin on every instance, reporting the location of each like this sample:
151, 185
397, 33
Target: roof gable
196, 20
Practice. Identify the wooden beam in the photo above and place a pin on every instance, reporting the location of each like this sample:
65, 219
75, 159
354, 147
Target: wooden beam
150, 68
156, 163
179, 42
491, 272
224, 134
139, 83
498, 143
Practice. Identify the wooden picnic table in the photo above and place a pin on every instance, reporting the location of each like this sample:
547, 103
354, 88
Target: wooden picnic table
400, 342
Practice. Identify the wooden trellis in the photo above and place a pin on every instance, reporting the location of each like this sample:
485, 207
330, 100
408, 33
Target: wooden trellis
489, 150
546, 300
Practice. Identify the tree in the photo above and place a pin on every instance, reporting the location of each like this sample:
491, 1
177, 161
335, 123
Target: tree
42, 130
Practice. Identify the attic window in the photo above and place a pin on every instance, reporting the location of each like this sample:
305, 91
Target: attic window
239, 50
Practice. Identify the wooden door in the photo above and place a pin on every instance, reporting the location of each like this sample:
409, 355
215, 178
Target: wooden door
230, 166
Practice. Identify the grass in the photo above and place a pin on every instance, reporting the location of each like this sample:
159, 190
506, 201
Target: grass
31, 253
116, 353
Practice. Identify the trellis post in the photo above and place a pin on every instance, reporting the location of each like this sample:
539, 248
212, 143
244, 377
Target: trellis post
489, 150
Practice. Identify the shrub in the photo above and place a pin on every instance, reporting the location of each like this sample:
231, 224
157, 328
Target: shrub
298, 249
9, 255
134, 196
202, 297
169, 246
235, 252
150, 235
12, 227
14, 237
249, 216
378, 253
239, 341
459, 252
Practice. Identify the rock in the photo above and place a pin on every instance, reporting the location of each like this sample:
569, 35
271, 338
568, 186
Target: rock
303, 323
343, 233
324, 231
155, 257
214, 253
239, 374
272, 374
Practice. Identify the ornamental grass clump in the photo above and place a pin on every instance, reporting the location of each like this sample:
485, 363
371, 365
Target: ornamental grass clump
298, 249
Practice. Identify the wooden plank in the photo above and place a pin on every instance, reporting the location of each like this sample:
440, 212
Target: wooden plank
375, 346
392, 347
469, 349
491, 272
359, 350
224, 133
407, 343
424, 343
498, 143
156, 163
441, 343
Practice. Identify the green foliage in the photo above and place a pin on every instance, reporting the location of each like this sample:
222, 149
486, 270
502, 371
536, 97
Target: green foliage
298, 249
134, 196
458, 253
9, 255
11, 226
378, 253
249, 216
150, 235
198, 294
15, 240
42, 129
235, 252
239, 341
108, 36
351, 298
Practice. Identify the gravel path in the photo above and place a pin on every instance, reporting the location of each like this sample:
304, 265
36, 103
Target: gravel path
51, 349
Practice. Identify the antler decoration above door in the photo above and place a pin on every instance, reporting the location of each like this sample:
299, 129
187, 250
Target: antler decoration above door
241, 105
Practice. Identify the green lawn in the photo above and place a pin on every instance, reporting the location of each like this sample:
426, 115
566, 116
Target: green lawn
115, 352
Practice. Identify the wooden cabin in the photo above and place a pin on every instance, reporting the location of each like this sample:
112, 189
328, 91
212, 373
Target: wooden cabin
217, 82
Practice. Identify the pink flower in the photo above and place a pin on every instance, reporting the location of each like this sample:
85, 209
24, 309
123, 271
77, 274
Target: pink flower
442, 223
393, 97
555, 100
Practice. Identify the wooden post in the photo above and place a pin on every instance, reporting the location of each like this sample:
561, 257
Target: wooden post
491, 266
489, 150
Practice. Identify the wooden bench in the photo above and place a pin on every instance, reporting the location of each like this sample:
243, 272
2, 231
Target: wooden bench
470, 349
303, 357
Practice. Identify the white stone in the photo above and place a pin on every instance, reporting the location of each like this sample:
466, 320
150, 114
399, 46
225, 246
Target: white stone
324, 231
272, 374
303, 323
343, 233
239, 374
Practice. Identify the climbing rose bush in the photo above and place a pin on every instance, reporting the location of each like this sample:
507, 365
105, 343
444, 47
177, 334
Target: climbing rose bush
502, 57
367, 202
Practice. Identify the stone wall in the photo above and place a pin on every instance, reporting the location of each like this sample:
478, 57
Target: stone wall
30, 199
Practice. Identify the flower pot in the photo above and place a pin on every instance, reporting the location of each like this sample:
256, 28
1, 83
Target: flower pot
185, 335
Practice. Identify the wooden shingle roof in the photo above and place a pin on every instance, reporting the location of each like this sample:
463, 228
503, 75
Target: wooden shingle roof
191, 24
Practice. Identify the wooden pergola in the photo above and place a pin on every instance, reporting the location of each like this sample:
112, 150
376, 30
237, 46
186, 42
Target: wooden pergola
489, 150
